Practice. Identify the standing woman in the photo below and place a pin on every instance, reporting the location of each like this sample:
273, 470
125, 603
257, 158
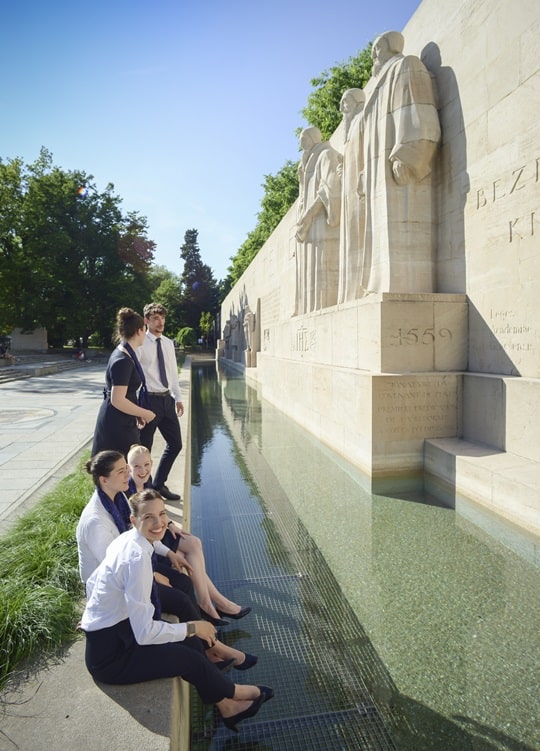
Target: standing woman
121, 417
124, 644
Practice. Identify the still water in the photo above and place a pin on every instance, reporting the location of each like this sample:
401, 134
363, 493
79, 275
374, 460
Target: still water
432, 614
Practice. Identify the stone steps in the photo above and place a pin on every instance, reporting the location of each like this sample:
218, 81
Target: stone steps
27, 367
505, 483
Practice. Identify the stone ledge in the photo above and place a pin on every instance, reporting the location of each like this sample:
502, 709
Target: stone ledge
62, 707
505, 483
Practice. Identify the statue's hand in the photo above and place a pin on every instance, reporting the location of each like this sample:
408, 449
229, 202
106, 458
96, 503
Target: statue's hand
301, 230
402, 174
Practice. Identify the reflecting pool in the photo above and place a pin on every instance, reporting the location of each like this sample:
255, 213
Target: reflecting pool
381, 622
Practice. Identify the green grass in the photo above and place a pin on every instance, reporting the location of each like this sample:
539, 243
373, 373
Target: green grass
40, 588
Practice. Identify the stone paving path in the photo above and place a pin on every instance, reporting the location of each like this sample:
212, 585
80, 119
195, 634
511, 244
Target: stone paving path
45, 422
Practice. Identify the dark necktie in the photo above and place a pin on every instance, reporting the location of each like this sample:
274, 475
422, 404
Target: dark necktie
161, 364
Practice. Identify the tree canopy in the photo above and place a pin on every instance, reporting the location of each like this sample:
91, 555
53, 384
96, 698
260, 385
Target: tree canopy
280, 192
200, 291
67, 253
322, 109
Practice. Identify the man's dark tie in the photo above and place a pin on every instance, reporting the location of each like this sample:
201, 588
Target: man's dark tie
161, 364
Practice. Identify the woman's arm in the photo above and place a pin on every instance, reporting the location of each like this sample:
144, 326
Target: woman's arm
138, 575
120, 401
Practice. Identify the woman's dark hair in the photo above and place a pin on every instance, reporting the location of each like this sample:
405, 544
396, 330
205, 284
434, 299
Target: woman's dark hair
128, 322
143, 496
101, 465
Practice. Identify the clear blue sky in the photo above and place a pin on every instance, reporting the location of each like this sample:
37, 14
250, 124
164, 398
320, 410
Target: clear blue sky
184, 105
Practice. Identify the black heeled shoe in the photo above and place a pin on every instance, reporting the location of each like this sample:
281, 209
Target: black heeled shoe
217, 622
232, 722
267, 692
235, 616
249, 662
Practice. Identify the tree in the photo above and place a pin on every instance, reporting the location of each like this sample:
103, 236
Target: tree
322, 109
169, 294
186, 337
199, 289
206, 327
11, 250
68, 256
280, 192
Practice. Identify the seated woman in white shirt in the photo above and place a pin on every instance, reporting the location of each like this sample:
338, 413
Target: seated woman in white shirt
106, 515
124, 642
213, 604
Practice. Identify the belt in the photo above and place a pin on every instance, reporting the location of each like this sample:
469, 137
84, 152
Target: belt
159, 393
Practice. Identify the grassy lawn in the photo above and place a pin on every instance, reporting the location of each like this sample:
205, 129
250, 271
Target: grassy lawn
40, 588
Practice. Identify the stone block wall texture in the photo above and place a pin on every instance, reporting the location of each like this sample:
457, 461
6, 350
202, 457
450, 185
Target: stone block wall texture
329, 369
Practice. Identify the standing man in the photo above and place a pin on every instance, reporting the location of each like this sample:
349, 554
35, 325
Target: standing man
158, 361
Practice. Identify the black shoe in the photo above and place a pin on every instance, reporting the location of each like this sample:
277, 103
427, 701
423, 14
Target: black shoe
266, 692
249, 662
217, 622
231, 722
166, 493
235, 616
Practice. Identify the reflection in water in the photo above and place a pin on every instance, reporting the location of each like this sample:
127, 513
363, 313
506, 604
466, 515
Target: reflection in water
445, 617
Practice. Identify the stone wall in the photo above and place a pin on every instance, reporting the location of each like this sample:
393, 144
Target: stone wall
378, 377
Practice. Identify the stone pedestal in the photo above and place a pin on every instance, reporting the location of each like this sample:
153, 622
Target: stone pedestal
373, 379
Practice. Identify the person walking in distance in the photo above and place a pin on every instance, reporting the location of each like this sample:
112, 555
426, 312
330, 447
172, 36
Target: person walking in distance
158, 361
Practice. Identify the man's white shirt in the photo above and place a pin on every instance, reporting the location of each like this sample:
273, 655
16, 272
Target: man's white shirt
147, 355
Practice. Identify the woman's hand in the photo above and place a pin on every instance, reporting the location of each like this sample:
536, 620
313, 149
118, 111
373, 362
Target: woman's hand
205, 631
179, 561
177, 531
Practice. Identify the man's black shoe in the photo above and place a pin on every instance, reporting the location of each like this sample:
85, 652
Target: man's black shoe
166, 493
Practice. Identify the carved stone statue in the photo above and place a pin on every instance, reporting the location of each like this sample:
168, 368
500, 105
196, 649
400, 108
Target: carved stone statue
401, 131
235, 338
317, 224
249, 326
353, 207
227, 338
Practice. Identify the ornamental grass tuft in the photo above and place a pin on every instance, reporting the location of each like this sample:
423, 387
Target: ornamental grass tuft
40, 588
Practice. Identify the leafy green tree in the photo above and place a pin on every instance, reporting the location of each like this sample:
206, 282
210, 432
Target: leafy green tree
280, 192
322, 109
169, 294
12, 266
68, 256
156, 274
206, 327
186, 337
199, 288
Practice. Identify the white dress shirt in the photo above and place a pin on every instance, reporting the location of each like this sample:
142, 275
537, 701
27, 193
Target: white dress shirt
95, 532
147, 355
120, 588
